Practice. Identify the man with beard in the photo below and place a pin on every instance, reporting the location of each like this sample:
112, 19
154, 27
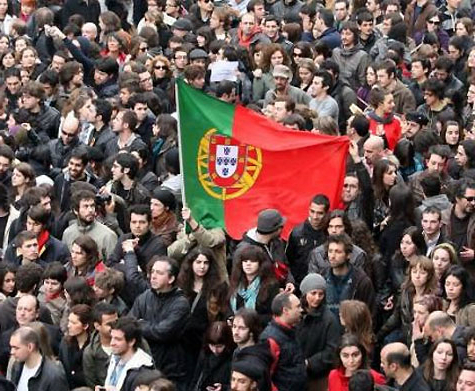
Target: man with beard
282, 78
76, 171
84, 207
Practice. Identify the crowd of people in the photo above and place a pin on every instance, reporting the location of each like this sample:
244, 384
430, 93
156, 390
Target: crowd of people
109, 283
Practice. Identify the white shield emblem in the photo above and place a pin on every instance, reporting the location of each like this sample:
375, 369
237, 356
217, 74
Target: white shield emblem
226, 160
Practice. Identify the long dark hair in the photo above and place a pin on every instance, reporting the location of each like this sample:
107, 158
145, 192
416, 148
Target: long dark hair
219, 333
6, 268
401, 202
452, 372
351, 340
462, 275
85, 315
89, 246
381, 167
265, 272
186, 277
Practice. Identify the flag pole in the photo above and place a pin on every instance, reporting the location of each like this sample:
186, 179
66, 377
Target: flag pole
180, 144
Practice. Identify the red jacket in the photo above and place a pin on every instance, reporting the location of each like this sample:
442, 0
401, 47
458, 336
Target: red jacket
337, 381
392, 130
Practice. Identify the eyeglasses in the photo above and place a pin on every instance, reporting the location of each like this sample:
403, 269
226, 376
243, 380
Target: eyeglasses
297, 54
143, 49
70, 135
161, 68
206, 1
436, 22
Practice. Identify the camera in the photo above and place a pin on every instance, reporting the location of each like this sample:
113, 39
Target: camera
102, 199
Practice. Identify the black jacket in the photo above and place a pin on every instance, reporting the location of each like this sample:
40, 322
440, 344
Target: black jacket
71, 356
319, 335
54, 250
50, 376
62, 188
162, 321
303, 239
212, 369
46, 121
89, 10
60, 153
289, 373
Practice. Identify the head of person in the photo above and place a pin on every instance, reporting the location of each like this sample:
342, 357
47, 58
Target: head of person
382, 100
437, 157
28, 278
386, 73
249, 262
162, 202
424, 306
33, 94
89, 31
248, 23
54, 277
7, 279
125, 166
218, 339
104, 315
84, 206
362, 379
27, 310
6, 158
37, 219
412, 243
246, 327
313, 288
125, 336
339, 248
373, 149
23, 176
355, 317
199, 264
69, 130
195, 75
124, 121
317, 211
284, 106
466, 379
287, 308
431, 221
421, 276
395, 358
465, 156
163, 273
140, 219
24, 342
451, 133
341, 8
443, 256
282, 77
270, 222
465, 196
443, 358
80, 321
106, 69
456, 283
349, 34
322, 83
26, 244
351, 354
433, 91
84, 253
338, 223
77, 162
438, 325
108, 284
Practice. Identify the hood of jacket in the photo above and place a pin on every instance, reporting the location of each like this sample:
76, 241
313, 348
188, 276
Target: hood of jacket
350, 52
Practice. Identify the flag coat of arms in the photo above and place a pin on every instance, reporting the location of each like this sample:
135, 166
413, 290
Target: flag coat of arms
236, 163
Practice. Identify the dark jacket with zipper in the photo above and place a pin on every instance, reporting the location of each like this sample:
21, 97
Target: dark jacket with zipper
319, 335
162, 317
49, 377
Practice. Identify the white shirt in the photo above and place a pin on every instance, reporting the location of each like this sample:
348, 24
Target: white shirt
26, 375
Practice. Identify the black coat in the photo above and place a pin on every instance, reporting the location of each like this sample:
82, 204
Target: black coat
212, 369
50, 376
303, 239
8, 314
71, 356
289, 373
163, 318
90, 10
319, 335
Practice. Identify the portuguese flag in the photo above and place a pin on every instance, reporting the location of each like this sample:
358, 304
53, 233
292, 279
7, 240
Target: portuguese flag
236, 163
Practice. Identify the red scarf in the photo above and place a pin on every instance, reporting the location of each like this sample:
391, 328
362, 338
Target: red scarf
43, 237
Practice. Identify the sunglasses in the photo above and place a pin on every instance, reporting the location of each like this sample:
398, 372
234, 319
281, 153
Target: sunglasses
143, 49
206, 1
436, 22
470, 199
161, 68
